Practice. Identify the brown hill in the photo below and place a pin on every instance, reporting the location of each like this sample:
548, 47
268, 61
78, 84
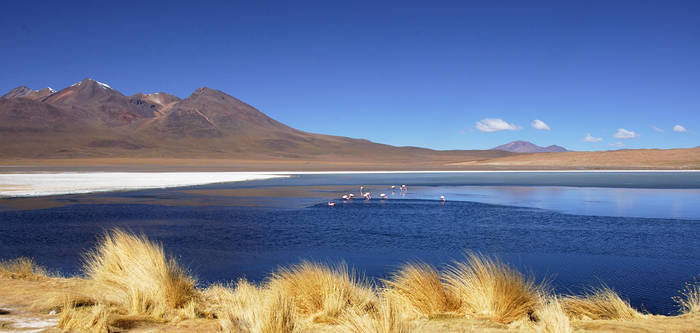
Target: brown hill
92, 120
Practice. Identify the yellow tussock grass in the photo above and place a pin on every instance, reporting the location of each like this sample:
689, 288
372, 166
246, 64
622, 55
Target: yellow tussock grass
85, 319
322, 292
551, 317
490, 289
418, 288
22, 268
384, 318
137, 275
689, 301
249, 309
135, 280
599, 303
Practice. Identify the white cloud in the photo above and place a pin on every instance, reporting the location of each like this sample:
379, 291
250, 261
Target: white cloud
495, 125
679, 128
625, 134
657, 129
590, 138
540, 125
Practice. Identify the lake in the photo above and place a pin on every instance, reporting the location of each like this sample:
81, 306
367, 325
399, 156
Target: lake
636, 232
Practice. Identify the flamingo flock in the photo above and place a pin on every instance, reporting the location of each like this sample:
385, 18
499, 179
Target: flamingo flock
383, 196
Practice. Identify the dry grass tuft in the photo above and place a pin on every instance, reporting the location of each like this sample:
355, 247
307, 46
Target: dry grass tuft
321, 292
418, 288
601, 303
492, 290
138, 276
689, 302
135, 279
249, 309
385, 318
85, 319
22, 268
551, 318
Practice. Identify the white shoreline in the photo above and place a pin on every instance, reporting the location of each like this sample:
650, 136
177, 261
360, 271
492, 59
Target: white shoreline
60, 183
468, 171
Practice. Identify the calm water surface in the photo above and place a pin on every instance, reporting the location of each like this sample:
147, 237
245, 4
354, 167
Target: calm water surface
635, 232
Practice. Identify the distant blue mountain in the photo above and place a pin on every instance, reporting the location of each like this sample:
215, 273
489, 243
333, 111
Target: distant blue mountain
528, 147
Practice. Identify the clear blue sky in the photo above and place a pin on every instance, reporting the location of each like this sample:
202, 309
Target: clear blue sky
420, 74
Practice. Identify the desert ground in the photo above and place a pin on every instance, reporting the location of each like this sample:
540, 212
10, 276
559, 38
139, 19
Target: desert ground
633, 159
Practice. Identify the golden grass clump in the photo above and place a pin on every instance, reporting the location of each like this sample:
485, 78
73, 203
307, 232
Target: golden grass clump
135, 273
490, 289
22, 268
600, 303
321, 292
418, 288
85, 319
384, 318
551, 317
249, 309
689, 301
136, 282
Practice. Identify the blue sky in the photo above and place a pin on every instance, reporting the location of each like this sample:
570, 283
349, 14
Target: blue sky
421, 74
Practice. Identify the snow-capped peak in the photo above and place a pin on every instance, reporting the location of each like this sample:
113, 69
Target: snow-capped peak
52, 90
103, 85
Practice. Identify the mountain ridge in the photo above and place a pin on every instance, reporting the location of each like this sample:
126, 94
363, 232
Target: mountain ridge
92, 119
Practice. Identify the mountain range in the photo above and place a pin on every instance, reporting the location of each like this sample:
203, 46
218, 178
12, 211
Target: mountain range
90, 119
529, 147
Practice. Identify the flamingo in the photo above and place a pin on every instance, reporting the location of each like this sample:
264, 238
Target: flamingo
442, 197
351, 195
383, 196
331, 203
393, 187
345, 197
367, 195
403, 188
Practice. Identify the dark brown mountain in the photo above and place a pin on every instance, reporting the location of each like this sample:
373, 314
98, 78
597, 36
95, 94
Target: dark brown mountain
24, 92
99, 103
520, 146
91, 119
212, 113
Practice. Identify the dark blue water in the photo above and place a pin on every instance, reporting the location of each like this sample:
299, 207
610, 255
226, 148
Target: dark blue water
646, 259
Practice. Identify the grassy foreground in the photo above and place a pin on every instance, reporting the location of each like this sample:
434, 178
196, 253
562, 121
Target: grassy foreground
129, 284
